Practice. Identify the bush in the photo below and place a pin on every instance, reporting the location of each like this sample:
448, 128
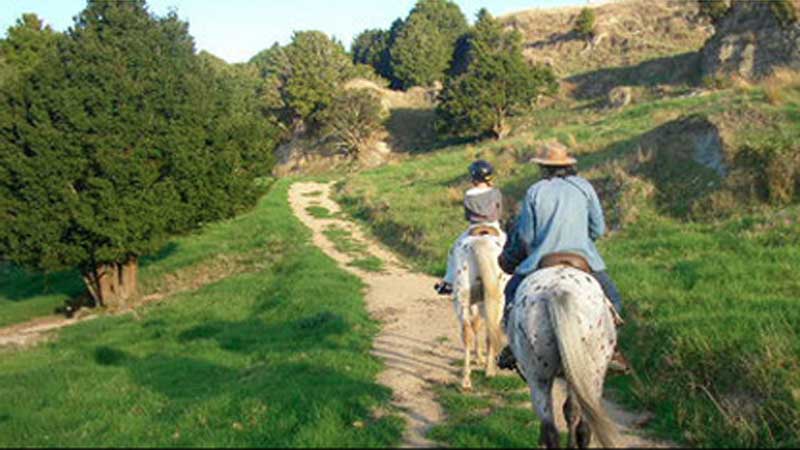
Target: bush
352, 120
584, 24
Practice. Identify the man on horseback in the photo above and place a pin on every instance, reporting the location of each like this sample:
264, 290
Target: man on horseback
560, 214
483, 206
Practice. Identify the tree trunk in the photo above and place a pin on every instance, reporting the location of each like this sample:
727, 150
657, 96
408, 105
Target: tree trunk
128, 277
500, 129
112, 285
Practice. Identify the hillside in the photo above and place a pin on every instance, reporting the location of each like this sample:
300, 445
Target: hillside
700, 195
628, 32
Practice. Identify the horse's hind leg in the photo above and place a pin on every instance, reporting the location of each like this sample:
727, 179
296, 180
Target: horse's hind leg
579, 433
468, 336
480, 344
542, 398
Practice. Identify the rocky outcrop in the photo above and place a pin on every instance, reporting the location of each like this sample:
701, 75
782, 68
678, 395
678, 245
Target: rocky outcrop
695, 138
751, 42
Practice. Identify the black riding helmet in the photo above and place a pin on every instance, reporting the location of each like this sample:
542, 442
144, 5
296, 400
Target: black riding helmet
481, 171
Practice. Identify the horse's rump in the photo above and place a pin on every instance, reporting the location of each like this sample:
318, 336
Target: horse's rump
560, 326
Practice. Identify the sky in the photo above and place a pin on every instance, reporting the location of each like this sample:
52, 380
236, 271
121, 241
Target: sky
235, 30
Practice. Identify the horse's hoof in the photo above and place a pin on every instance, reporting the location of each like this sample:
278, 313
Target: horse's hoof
466, 385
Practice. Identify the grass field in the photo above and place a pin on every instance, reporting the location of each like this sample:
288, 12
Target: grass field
276, 354
713, 323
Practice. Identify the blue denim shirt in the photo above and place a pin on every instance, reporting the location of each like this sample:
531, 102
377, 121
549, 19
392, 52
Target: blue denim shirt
558, 215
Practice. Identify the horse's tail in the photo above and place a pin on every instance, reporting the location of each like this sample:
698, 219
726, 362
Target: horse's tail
580, 367
486, 257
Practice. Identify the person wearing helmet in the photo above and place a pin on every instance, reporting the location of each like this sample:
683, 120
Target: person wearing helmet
483, 206
561, 213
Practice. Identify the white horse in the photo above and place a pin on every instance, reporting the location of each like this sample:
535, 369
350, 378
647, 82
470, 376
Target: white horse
560, 326
478, 298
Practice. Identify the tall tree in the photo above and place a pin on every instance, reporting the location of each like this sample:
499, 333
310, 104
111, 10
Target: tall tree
27, 43
372, 47
317, 67
240, 122
496, 84
109, 146
424, 46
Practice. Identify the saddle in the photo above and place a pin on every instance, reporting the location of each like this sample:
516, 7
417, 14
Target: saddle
565, 259
483, 230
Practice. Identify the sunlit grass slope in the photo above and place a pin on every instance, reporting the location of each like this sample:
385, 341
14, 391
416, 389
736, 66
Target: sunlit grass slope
712, 306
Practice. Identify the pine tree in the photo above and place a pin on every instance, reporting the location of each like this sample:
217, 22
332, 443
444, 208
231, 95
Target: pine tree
424, 46
317, 67
371, 47
496, 84
27, 43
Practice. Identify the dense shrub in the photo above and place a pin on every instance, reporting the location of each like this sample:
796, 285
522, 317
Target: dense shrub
353, 119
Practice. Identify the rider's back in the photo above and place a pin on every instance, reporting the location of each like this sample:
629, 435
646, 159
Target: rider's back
561, 210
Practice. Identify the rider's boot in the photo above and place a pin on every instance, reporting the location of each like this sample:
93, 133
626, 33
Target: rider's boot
506, 359
619, 363
443, 288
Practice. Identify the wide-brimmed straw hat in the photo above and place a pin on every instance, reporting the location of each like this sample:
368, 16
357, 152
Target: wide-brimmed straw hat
553, 154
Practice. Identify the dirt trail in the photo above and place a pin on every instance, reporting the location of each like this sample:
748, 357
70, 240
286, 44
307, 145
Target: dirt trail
419, 336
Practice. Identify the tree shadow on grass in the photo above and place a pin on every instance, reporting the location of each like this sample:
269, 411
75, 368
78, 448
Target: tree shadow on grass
296, 368
299, 395
19, 285
165, 252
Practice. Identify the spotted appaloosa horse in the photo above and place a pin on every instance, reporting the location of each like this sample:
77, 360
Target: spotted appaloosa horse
560, 326
478, 298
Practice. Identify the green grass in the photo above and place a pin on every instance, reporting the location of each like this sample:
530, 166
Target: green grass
713, 319
496, 413
343, 242
319, 212
312, 194
713, 325
274, 356
368, 263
